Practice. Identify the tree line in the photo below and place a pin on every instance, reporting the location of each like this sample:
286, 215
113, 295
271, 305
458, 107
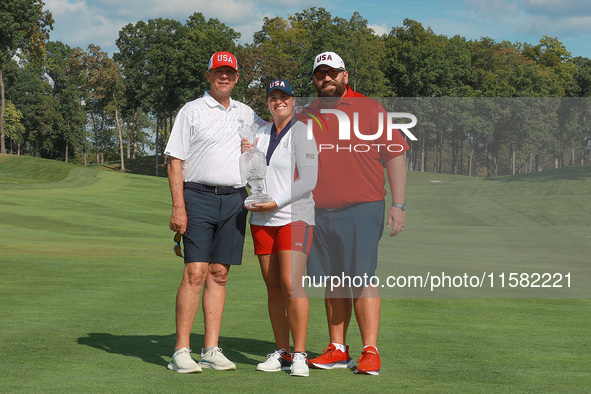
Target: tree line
84, 106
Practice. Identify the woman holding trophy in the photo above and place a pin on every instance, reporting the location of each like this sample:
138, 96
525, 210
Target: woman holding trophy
282, 228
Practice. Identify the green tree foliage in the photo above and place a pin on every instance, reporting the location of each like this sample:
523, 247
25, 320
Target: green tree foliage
204, 38
286, 48
580, 85
66, 80
161, 64
365, 54
422, 64
104, 91
25, 26
13, 127
164, 64
31, 93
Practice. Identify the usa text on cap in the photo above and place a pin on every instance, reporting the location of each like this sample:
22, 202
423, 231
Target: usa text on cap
280, 84
330, 59
220, 59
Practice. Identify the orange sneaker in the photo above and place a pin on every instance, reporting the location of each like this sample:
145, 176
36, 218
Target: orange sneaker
333, 358
369, 362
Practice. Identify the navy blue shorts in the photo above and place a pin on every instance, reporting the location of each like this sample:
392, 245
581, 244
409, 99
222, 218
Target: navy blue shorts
215, 228
346, 240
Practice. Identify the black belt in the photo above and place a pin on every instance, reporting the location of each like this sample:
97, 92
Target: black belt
211, 189
340, 208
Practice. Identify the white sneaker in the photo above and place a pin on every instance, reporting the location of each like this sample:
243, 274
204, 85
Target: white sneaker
276, 361
215, 359
299, 365
183, 362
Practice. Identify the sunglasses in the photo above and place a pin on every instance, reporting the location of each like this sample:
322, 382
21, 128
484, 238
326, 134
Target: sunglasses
332, 72
177, 247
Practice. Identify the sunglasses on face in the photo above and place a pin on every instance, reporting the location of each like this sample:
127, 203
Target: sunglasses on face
332, 72
177, 247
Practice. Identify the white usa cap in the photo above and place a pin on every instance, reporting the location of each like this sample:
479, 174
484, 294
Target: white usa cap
330, 59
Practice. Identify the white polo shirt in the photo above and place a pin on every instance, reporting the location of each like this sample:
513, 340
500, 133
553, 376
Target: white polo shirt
295, 150
205, 135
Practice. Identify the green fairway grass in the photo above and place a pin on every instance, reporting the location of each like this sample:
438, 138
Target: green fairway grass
88, 280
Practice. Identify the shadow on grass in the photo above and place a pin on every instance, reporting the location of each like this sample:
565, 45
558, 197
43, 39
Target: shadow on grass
158, 349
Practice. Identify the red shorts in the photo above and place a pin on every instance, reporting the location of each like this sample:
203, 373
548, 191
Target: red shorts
294, 236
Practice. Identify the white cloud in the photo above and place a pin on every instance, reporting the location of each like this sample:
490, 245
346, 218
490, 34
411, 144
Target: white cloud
497, 10
64, 7
379, 29
77, 25
581, 24
553, 8
84, 22
563, 18
231, 11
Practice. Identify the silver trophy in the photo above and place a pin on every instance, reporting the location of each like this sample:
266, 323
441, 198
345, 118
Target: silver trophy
253, 167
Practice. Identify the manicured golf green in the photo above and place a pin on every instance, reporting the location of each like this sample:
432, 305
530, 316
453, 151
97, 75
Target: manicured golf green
88, 279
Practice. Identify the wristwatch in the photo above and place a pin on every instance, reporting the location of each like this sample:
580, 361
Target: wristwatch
401, 206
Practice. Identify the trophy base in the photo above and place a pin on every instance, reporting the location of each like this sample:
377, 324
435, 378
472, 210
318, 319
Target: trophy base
257, 198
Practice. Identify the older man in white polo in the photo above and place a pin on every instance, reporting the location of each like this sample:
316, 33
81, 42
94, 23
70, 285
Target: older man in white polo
207, 208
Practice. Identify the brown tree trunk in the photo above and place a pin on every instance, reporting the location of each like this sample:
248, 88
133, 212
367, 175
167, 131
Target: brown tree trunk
423, 158
120, 140
135, 127
470, 158
2, 104
156, 150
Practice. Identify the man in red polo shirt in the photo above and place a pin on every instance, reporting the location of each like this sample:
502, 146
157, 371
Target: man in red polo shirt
355, 144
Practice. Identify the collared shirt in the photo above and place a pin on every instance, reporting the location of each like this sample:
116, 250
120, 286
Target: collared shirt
294, 151
205, 135
275, 139
352, 171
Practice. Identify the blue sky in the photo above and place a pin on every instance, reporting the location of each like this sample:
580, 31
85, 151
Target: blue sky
84, 22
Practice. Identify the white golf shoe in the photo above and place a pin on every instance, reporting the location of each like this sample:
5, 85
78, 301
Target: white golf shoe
299, 365
215, 359
276, 361
182, 362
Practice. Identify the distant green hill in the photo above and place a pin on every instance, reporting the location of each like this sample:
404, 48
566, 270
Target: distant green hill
25, 169
142, 165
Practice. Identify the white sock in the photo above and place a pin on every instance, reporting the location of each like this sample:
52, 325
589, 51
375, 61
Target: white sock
371, 346
340, 347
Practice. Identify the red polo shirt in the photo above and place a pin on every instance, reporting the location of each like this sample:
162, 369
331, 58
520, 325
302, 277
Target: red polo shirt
351, 170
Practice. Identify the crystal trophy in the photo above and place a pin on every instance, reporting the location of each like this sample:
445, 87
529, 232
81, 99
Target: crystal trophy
253, 167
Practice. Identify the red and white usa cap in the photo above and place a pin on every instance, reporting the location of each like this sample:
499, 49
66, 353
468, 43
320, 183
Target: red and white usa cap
220, 59
331, 59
